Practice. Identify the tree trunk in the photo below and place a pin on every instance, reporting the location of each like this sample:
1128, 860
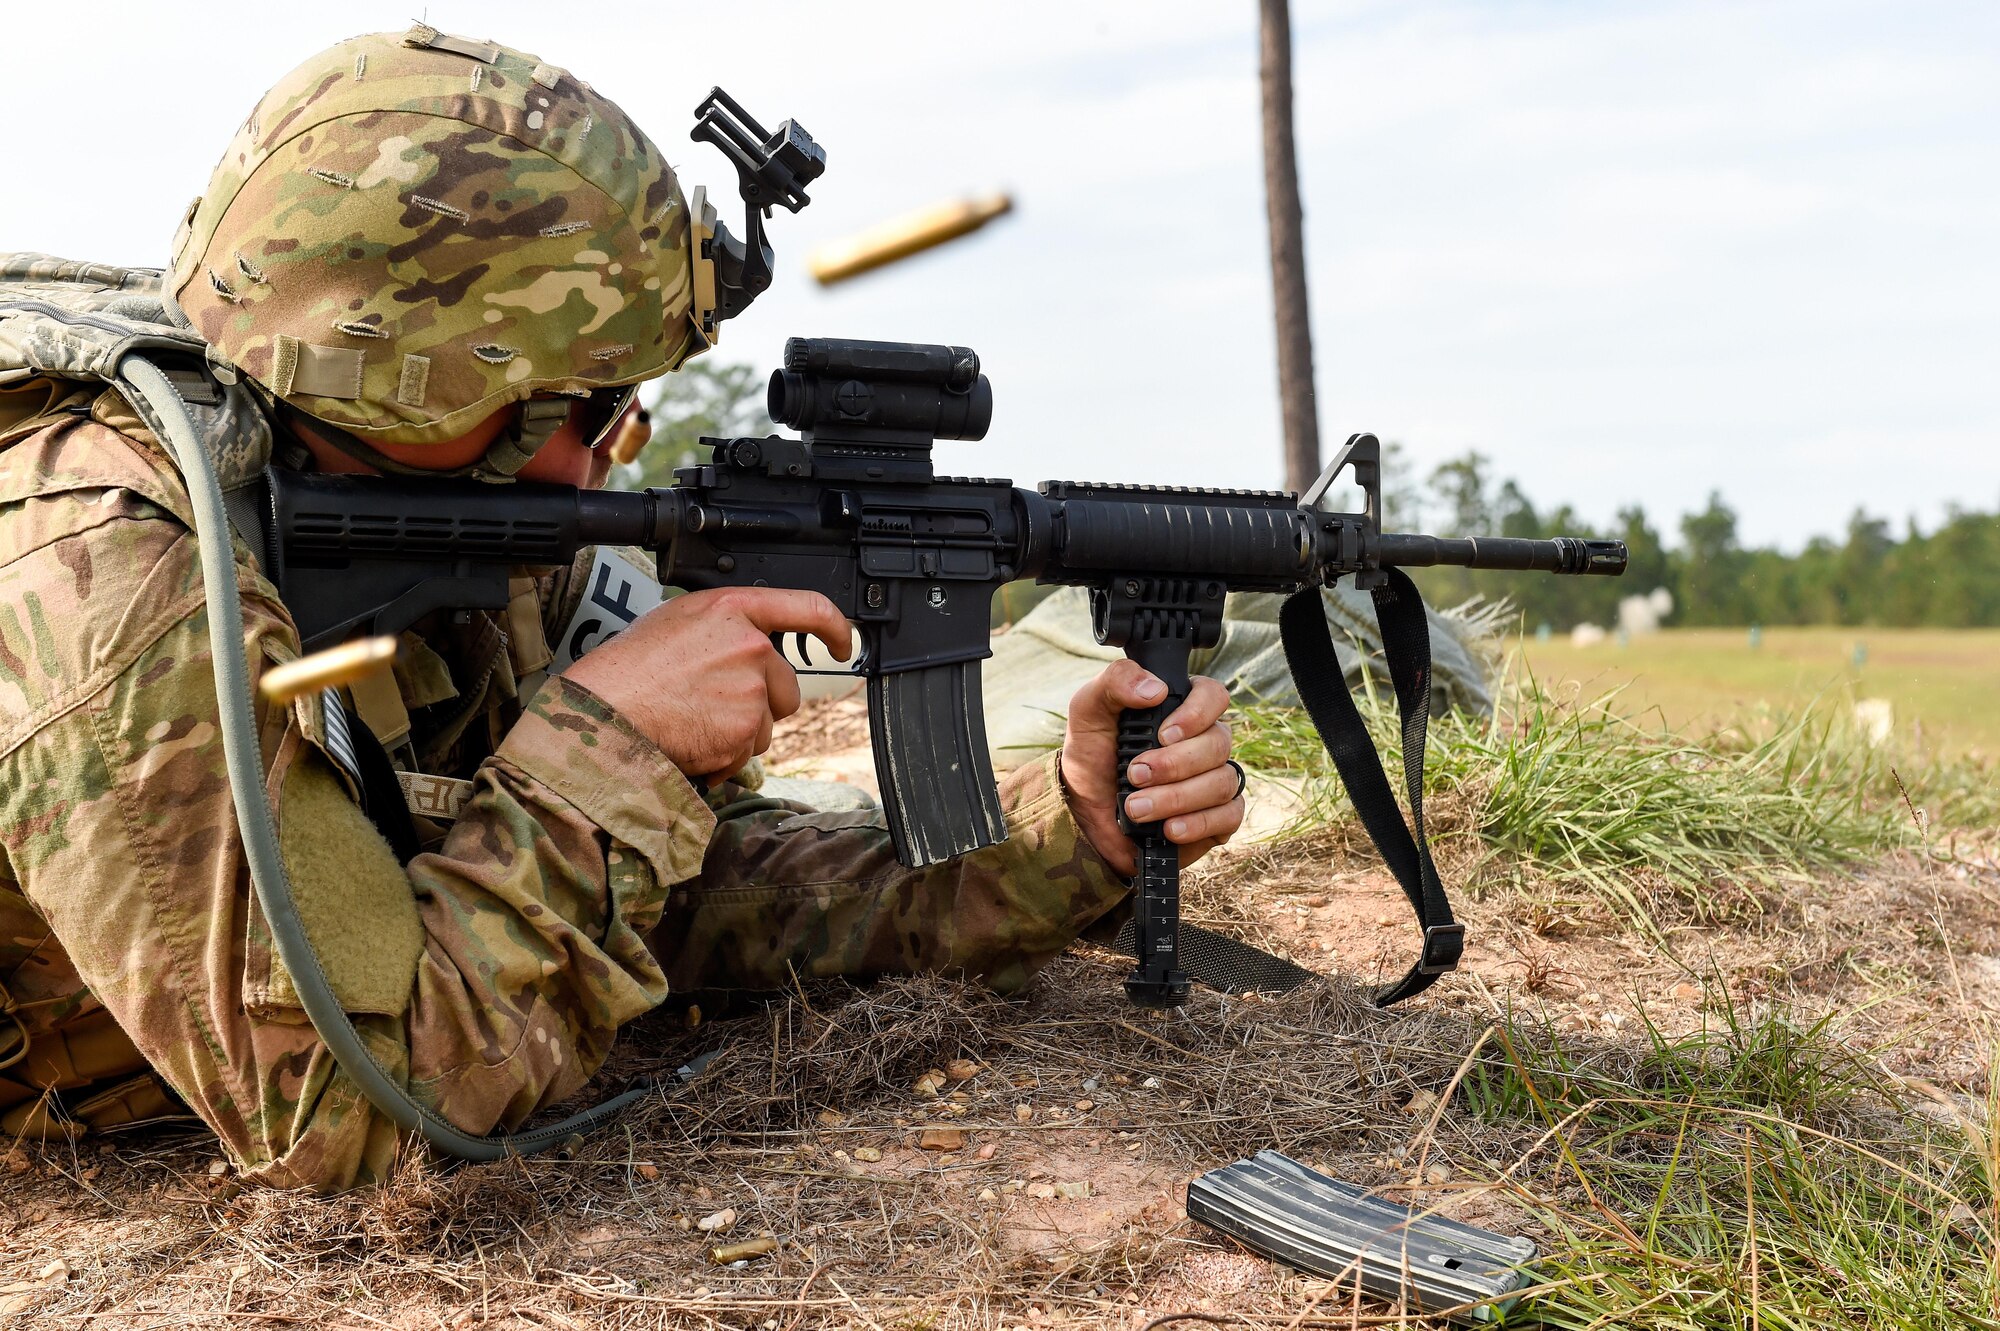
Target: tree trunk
1288, 249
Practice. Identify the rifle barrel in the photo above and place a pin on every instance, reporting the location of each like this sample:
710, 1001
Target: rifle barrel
1561, 554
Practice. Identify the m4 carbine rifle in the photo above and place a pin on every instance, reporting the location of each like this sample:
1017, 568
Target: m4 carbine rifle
852, 509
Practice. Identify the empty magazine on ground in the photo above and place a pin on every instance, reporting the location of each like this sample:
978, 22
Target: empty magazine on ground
1275, 1206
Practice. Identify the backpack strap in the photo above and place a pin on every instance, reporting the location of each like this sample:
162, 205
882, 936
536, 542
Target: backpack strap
250, 517
1322, 687
257, 825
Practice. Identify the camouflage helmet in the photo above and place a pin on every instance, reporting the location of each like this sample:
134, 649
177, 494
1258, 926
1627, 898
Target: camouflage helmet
412, 232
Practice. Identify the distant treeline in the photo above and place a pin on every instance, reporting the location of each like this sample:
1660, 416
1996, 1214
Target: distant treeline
1947, 578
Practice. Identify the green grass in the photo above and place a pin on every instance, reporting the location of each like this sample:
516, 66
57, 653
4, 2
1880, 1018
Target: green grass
1588, 794
1760, 1173
1943, 683
1763, 1172
1756, 1175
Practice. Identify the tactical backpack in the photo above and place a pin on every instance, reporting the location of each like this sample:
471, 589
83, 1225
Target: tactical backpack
65, 329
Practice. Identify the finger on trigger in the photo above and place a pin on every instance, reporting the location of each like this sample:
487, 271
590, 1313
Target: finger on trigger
786, 610
781, 687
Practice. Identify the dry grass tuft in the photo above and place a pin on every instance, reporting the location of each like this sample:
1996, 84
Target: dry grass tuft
1542, 1115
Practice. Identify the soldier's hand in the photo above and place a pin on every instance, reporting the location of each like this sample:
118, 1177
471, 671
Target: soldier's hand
698, 675
1186, 781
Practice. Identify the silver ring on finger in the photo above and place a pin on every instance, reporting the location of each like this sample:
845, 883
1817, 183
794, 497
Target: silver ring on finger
1242, 778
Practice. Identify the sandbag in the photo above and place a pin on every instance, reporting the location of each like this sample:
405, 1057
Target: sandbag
1038, 664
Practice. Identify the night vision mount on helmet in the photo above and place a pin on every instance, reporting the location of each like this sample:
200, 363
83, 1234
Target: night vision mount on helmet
771, 170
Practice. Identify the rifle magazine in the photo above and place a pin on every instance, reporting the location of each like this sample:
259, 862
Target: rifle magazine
1338, 1231
928, 728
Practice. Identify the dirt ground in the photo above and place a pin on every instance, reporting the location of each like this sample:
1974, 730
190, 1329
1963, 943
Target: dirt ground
921, 1154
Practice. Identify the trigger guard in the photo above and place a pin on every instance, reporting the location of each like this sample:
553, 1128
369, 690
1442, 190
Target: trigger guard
799, 658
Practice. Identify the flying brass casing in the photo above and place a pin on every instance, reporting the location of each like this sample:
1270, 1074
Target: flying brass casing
634, 433
911, 234
333, 668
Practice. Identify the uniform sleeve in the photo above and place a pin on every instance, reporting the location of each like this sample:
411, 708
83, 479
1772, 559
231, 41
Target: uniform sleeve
784, 889
117, 821
537, 907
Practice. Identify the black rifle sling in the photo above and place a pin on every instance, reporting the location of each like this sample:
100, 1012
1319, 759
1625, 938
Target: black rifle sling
1322, 686
1226, 964
382, 797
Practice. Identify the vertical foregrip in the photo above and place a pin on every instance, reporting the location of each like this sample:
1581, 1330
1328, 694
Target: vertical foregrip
1157, 981
928, 728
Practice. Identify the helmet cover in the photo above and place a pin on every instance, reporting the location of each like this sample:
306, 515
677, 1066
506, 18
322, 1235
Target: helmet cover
412, 232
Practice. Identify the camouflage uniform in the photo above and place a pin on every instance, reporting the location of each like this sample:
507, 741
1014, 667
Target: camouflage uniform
584, 879
408, 235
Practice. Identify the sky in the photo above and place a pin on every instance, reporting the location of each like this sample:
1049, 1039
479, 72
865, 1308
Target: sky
1632, 253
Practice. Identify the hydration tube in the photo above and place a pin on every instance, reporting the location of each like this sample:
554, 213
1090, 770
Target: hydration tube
258, 825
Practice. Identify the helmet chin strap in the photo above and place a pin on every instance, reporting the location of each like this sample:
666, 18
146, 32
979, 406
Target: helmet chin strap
534, 424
